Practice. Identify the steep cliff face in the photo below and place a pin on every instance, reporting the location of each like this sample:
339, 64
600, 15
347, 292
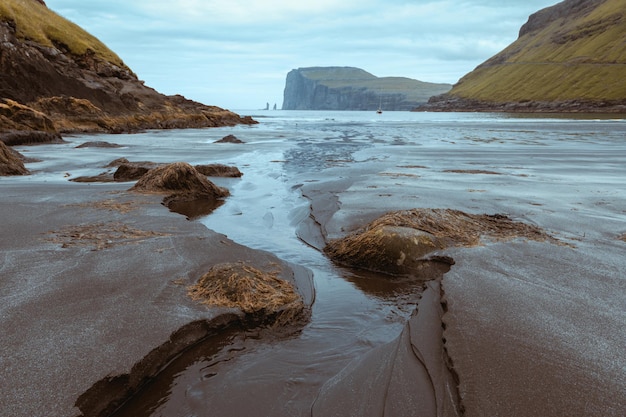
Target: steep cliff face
347, 88
54, 67
569, 57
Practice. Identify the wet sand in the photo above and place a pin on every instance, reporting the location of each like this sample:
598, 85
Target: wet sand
525, 328
93, 280
531, 328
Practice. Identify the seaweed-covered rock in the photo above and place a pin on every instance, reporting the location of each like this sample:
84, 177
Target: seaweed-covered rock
181, 180
253, 291
399, 243
385, 248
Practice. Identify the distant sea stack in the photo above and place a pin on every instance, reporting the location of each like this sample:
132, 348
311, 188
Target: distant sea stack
57, 78
348, 88
570, 57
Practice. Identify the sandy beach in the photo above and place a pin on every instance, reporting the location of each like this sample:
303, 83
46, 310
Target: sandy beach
95, 278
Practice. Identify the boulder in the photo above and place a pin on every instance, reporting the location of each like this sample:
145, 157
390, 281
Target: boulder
29, 137
219, 170
390, 249
130, 172
10, 162
98, 144
179, 180
402, 242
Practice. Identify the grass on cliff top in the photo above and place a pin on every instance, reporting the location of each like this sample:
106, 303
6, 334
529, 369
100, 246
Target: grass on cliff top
341, 77
570, 59
35, 22
336, 73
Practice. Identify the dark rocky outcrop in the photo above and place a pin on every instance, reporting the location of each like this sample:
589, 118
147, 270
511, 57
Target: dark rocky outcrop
29, 137
23, 125
126, 171
568, 58
98, 144
347, 88
132, 171
229, 139
65, 80
219, 170
11, 162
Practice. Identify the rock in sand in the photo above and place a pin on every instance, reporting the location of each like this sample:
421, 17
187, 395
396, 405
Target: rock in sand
181, 181
10, 162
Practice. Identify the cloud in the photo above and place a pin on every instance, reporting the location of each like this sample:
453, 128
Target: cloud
236, 54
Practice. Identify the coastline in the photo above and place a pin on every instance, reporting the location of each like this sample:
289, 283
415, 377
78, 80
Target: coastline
521, 315
450, 103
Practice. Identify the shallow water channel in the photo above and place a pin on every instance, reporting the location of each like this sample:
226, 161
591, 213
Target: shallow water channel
364, 164
345, 169
261, 372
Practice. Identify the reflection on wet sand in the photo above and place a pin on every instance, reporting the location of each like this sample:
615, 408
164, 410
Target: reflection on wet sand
510, 329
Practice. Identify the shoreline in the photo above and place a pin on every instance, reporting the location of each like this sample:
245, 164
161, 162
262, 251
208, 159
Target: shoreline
519, 318
85, 306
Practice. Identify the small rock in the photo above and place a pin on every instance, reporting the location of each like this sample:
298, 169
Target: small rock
218, 170
229, 139
99, 144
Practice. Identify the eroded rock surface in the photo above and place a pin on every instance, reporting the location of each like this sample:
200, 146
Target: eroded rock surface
49, 84
219, 170
10, 162
229, 139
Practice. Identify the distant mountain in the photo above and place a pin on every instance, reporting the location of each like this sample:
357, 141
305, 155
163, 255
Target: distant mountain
348, 88
570, 57
55, 77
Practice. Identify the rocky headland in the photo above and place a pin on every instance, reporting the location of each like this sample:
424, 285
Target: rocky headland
567, 58
55, 78
348, 88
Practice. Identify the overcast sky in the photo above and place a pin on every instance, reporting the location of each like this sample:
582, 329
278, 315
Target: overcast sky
236, 54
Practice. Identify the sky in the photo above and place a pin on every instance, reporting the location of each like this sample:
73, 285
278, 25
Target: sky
236, 54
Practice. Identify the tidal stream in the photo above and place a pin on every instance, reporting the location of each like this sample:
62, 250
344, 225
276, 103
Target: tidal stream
309, 176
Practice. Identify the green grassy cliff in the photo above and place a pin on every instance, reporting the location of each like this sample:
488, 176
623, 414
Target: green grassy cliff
35, 22
569, 56
57, 78
349, 88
